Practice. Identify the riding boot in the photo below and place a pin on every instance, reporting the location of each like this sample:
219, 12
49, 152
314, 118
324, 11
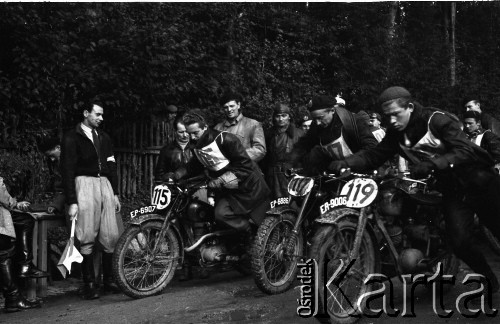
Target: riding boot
24, 226
89, 287
14, 300
109, 285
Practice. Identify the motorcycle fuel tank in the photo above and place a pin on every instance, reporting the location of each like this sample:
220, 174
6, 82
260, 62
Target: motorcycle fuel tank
199, 212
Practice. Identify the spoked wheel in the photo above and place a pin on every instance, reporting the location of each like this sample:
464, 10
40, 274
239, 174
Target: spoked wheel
274, 257
332, 247
143, 262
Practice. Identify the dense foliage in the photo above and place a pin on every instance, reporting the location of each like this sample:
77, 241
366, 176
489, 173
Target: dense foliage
143, 56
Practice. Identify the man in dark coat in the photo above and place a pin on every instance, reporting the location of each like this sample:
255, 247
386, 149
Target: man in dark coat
482, 137
280, 140
433, 141
174, 155
90, 183
240, 190
487, 121
335, 134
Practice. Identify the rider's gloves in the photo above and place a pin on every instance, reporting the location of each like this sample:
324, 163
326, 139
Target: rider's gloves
423, 169
336, 166
228, 180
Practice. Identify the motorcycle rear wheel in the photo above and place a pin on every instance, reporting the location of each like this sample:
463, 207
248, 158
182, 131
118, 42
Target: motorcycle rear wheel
138, 270
273, 269
331, 244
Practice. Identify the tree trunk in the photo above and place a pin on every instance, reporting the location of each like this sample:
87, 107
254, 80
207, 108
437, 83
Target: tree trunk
453, 65
391, 33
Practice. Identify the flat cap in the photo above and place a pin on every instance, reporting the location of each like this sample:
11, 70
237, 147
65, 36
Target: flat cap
321, 102
280, 108
393, 93
472, 114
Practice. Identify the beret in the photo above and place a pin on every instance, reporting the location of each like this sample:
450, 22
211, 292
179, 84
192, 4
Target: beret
321, 102
472, 114
394, 93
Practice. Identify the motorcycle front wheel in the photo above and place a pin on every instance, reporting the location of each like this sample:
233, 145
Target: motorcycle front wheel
274, 264
143, 262
331, 247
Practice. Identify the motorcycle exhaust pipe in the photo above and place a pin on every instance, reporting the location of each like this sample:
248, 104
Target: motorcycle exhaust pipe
207, 236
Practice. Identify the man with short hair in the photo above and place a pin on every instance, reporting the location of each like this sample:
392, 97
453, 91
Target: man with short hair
487, 121
249, 131
334, 135
90, 184
481, 137
280, 140
174, 155
377, 131
240, 190
433, 141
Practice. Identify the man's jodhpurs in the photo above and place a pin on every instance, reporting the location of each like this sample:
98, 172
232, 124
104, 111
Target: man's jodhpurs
96, 220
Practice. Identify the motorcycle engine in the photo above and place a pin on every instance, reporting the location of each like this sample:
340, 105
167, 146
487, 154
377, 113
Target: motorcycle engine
391, 202
198, 211
213, 253
409, 260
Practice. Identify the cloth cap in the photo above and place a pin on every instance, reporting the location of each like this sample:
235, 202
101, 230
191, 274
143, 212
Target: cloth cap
394, 93
375, 116
321, 102
472, 114
280, 108
229, 96
171, 108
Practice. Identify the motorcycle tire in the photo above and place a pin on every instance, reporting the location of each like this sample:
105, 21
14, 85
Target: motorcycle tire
492, 240
273, 269
332, 243
138, 270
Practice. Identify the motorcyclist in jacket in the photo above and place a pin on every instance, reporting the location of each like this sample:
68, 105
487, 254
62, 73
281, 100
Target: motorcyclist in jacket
433, 140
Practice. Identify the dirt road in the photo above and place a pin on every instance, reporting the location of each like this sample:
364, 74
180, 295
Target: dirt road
224, 298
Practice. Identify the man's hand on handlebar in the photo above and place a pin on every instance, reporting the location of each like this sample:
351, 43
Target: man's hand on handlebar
338, 166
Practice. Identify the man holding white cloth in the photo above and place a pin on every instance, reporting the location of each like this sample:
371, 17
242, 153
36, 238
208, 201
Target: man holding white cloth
90, 184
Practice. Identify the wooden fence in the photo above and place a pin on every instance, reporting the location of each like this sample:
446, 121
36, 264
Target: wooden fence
137, 146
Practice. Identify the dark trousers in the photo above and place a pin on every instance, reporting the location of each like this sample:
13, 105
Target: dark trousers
277, 181
482, 197
226, 215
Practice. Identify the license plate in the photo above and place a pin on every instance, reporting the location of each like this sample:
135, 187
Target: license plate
332, 203
142, 211
280, 201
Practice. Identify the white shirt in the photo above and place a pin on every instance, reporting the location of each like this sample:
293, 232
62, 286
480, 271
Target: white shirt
87, 131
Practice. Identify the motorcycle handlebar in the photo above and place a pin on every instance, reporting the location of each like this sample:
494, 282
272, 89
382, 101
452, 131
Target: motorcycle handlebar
293, 171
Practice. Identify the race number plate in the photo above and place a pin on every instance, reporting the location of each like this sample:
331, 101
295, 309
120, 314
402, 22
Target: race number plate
360, 192
142, 211
279, 202
161, 197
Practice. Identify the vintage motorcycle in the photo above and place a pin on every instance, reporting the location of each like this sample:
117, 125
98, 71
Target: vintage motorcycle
288, 226
391, 226
178, 228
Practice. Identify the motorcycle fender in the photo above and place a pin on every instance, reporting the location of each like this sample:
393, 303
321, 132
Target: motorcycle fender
336, 215
137, 221
278, 211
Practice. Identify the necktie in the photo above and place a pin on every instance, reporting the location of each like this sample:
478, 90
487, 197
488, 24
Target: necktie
97, 143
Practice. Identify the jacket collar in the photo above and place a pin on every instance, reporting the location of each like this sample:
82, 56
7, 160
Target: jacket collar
228, 123
79, 130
